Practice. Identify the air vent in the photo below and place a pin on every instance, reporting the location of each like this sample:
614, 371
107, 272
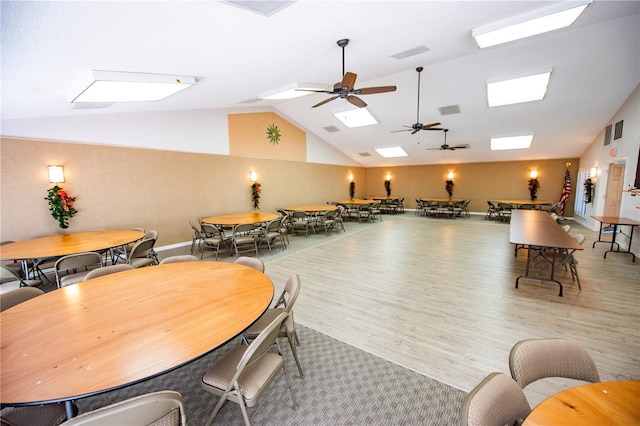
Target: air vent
331, 129
411, 52
617, 131
448, 110
364, 154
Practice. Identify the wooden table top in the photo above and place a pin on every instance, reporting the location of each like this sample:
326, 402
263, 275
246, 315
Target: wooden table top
537, 228
62, 245
452, 200
312, 208
606, 403
354, 202
237, 218
111, 331
520, 202
381, 197
616, 220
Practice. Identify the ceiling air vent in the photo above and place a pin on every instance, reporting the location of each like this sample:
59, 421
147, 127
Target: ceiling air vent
331, 129
448, 110
411, 52
364, 154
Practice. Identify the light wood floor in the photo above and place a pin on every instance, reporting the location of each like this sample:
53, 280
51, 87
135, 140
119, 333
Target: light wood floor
437, 296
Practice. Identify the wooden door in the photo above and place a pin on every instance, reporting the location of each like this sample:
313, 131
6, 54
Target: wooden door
615, 182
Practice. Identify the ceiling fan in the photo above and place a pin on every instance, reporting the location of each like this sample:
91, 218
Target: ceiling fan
345, 89
445, 147
415, 128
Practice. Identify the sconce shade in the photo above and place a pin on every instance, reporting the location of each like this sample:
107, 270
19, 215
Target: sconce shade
388, 176
56, 174
351, 177
253, 176
594, 172
451, 174
533, 174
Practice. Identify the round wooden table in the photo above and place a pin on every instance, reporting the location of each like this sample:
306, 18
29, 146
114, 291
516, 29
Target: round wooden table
237, 218
354, 202
312, 208
116, 330
64, 244
605, 403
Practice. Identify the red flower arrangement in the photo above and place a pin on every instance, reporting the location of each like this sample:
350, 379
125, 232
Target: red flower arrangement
533, 188
448, 185
255, 194
61, 205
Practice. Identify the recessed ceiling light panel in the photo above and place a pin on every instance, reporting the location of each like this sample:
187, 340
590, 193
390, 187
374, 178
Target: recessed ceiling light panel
116, 86
391, 151
553, 17
511, 142
356, 117
518, 90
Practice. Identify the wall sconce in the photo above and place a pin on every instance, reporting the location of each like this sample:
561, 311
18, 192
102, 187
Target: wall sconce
350, 177
533, 174
56, 174
594, 172
388, 176
253, 176
450, 175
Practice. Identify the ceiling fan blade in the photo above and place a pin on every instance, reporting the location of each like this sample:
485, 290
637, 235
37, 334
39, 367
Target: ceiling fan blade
434, 149
373, 90
404, 130
349, 80
459, 147
356, 101
431, 126
325, 101
414, 131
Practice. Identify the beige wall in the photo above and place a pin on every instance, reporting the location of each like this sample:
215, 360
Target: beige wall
126, 187
477, 182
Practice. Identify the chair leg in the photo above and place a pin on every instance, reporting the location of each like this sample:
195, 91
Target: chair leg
221, 401
291, 337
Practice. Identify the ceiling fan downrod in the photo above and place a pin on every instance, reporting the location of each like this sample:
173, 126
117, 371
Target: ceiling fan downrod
343, 43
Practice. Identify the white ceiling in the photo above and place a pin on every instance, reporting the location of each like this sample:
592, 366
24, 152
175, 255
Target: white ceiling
50, 48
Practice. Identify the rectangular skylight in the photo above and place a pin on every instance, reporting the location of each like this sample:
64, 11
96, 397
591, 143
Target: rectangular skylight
518, 90
294, 90
550, 18
356, 117
116, 86
511, 142
391, 151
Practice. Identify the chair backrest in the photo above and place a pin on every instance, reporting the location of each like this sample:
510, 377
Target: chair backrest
107, 270
566, 228
534, 359
210, 230
299, 215
180, 258
497, 400
252, 262
243, 228
7, 275
579, 238
274, 225
142, 248
504, 206
19, 295
79, 260
260, 344
151, 234
164, 408
290, 293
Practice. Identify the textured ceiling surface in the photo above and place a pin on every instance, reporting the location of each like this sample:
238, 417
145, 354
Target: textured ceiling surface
50, 48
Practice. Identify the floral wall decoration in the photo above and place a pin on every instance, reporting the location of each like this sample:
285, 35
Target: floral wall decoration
534, 184
387, 187
61, 205
448, 185
273, 134
255, 194
352, 189
588, 190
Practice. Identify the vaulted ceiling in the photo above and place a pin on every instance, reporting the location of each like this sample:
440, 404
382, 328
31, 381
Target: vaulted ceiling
50, 48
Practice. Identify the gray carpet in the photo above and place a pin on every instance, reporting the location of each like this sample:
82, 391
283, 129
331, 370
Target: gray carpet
342, 385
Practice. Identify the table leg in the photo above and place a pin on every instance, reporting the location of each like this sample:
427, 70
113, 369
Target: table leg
551, 279
68, 405
613, 241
